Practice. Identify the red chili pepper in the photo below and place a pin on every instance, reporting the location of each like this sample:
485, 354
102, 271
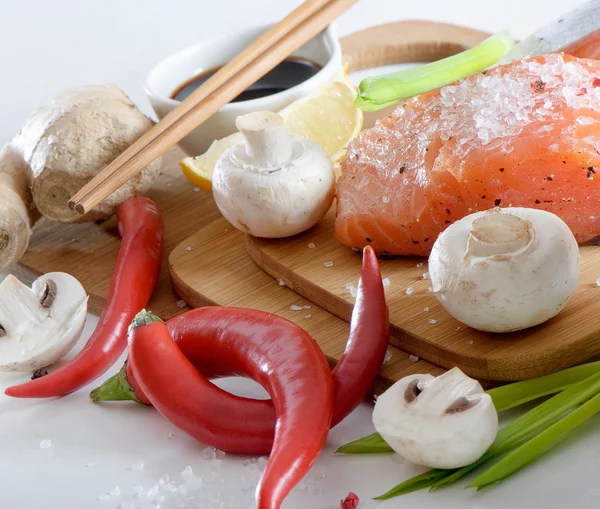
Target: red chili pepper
353, 376
350, 502
134, 278
275, 352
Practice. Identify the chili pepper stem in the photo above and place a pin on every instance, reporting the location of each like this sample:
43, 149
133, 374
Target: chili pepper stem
116, 388
144, 318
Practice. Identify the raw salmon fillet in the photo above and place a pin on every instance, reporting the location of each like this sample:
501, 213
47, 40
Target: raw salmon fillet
526, 134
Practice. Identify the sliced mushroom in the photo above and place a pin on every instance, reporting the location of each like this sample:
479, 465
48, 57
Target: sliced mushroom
41, 324
443, 422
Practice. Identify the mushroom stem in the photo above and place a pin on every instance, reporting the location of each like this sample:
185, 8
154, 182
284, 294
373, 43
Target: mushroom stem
498, 234
267, 141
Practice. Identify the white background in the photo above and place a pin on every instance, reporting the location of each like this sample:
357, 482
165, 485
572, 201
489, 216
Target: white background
46, 46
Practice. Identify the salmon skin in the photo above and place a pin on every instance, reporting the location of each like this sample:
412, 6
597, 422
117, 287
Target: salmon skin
526, 134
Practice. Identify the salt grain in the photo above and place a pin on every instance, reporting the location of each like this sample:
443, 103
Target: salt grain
196, 189
388, 356
311, 245
426, 309
470, 342
293, 307
307, 316
45, 444
180, 304
426, 275
306, 307
385, 281
409, 290
328, 264
209, 454
188, 248
429, 289
419, 265
432, 321
137, 466
413, 358
281, 282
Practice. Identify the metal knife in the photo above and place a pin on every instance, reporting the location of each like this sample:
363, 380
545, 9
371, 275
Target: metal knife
562, 32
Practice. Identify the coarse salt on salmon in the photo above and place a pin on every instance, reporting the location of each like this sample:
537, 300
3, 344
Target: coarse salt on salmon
526, 134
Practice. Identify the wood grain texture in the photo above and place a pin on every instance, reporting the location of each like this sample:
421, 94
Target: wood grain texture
212, 267
568, 339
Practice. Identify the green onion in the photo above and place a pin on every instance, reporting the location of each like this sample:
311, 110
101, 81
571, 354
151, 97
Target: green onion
537, 446
378, 92
509, 437
504, 398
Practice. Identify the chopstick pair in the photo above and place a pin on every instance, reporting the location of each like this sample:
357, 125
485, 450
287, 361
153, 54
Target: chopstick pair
249, 66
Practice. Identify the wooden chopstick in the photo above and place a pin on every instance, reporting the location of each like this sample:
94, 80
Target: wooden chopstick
259, 58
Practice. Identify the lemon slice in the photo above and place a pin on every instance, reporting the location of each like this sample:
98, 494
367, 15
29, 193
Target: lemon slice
327, 116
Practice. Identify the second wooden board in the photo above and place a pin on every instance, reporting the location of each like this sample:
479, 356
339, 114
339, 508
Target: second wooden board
318, 267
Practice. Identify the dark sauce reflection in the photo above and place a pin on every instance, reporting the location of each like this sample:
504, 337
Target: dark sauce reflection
289, 73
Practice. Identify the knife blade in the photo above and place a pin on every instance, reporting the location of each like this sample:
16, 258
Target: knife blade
560, 33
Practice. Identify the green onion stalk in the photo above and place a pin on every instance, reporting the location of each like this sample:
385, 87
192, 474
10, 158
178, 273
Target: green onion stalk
378, 92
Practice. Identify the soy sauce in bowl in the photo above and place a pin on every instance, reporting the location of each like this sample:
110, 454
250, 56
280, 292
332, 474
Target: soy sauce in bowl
289, 73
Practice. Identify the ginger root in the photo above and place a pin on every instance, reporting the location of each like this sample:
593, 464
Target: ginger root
59, 149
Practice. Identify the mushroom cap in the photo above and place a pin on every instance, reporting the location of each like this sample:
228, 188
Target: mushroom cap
443, 422
275, 202
524, 279
40, 324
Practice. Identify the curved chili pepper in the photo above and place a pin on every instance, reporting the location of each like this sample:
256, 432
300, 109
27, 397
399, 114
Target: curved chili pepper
353, 375
134, 278
276, 353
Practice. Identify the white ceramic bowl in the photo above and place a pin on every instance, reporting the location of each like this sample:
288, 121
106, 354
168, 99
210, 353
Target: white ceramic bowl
165, 77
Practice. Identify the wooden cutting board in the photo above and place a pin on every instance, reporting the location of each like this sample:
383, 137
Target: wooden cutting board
213, 267
570, 338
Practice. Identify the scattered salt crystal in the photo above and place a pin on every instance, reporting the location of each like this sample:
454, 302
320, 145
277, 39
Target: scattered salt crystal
429, 289
388, 356
470, 342
328, 264
426, 309
419, 265
311, 245
413, 358
409, 290
294, 307
180, 304
209, 454
187, 472
196, 189
432, 321
281, 282
188, 248
307, 316
220, 454
426, 275
385, 281
458, 328
137, 466
45, 444
306, 307
353, 291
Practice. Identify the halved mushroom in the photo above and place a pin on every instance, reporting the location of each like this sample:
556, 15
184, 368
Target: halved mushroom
443, 422
41, 324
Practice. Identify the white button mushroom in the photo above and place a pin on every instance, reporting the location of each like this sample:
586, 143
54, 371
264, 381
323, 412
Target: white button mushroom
504, 270
443, 422
276, 184
39, 325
